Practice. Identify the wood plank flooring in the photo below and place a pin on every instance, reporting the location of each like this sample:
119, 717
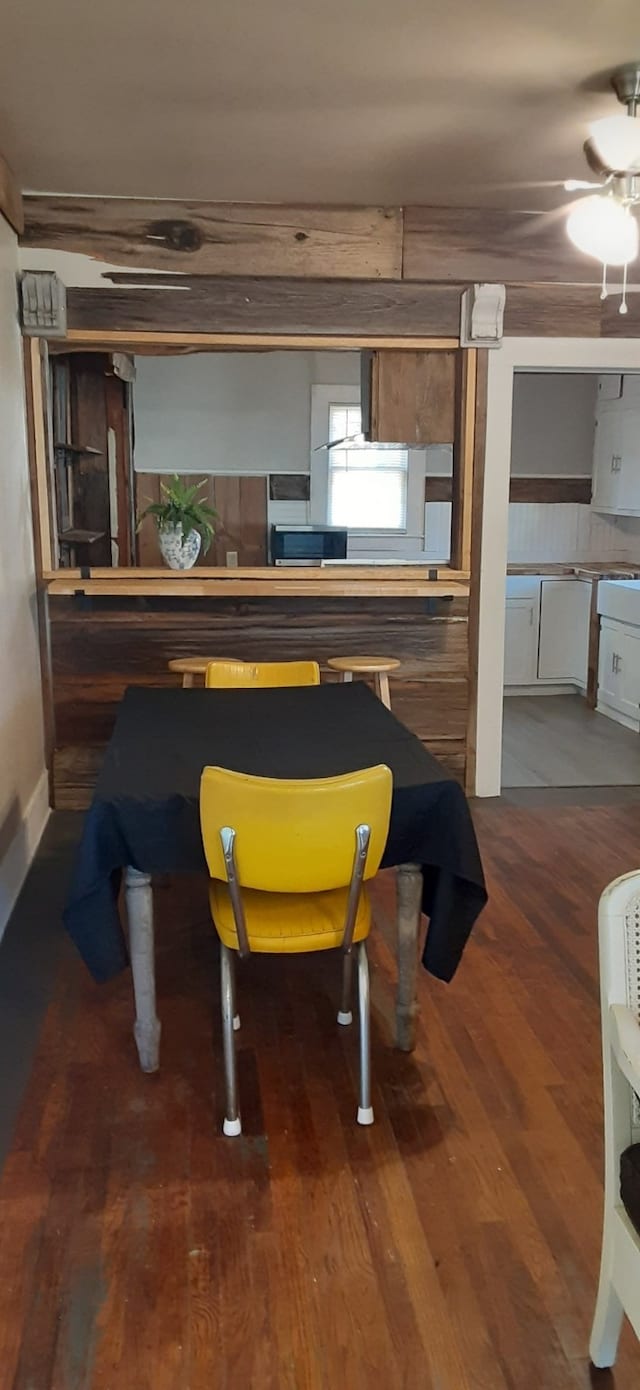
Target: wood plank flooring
453, 1246
557, 741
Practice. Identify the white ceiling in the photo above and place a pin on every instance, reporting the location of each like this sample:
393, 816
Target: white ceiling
364, 101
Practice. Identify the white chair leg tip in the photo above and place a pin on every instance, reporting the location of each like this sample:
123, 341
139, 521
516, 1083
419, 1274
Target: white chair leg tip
232, 1127
365, 1115
236, 1022
345, 1018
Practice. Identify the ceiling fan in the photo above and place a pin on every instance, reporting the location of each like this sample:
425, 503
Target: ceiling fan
604, 224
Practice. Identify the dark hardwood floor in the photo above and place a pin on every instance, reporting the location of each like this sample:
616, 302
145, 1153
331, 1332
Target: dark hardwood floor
453, 1246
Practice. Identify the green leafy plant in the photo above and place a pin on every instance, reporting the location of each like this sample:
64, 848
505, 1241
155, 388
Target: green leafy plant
181, 506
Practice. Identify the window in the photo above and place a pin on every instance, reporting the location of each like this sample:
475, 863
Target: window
367, 484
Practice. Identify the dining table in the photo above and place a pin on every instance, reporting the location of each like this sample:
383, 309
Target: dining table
144, 821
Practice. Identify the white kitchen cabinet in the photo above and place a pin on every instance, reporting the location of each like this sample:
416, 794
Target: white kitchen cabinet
607, 458
619, 672
616, 453
563, 649
521, 641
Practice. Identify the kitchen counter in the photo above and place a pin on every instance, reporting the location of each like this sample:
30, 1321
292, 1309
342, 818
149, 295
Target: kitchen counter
587, 569
365, 581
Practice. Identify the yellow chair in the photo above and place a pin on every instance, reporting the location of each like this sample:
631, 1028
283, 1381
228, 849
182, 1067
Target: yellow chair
288, 860
222, 675
191, 666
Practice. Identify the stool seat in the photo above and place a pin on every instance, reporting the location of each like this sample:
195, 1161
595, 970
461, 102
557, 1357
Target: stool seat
190, 666
364, 664
376, 666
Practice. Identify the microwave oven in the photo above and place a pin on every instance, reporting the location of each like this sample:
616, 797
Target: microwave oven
307, 545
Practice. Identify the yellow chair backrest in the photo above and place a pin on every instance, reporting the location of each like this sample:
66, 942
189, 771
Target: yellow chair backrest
221, 675
294, 836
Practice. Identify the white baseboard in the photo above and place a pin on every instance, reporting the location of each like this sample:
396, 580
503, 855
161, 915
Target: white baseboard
544, 688
17, 860
618, 717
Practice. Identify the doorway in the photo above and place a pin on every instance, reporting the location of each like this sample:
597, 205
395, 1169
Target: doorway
573, 537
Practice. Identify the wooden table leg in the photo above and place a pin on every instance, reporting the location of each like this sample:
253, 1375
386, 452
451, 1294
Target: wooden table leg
409, 891
146, 1029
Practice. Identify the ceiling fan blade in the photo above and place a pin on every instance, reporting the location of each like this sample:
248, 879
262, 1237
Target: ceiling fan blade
539, 221
579, 185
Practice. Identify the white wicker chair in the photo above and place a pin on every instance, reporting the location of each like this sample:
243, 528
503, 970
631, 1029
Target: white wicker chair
619, 936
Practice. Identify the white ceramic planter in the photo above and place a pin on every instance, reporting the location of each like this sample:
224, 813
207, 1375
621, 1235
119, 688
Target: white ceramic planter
179, 552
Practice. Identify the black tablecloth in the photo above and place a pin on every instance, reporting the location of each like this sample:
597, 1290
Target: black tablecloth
145, 809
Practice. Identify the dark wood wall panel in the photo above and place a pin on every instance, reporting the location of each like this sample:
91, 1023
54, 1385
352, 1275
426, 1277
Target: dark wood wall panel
290, 487
241, 525
521, 489
98, 651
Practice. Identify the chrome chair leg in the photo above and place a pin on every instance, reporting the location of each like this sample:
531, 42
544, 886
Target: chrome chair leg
232, 1123
345, 1015
365, 1109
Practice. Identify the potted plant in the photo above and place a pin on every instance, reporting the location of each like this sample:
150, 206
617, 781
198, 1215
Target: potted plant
184, 522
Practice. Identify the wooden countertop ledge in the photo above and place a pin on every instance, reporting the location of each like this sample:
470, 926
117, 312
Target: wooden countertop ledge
366, 581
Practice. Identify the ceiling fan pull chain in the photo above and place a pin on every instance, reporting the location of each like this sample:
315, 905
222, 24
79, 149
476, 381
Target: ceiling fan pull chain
604, 291
624, 308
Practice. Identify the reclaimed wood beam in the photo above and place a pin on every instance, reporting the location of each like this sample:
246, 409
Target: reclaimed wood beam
271, 306
221, 238
11, 205
492, 244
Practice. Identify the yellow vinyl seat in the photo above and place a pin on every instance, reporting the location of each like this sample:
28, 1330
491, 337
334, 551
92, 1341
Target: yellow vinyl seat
288, 922
223, 675
288, 862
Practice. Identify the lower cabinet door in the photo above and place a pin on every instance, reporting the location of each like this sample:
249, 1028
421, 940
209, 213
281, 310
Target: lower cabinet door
619, 670
521, 641
565, 607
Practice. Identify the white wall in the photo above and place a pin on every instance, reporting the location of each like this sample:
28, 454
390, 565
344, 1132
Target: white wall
553, 423
23, 781
231, 412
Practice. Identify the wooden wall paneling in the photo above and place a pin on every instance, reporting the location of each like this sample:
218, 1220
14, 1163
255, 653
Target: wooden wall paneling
11, 202
480, 427
289, 487
147, 491
463, 458
90, 472
613, 324
97, 652
552, 311
528, 489
412, 397
494, 244
241, 504
349, 308
221, 238
438, 488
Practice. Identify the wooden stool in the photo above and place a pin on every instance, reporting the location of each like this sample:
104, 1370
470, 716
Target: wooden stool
190, 666
377, 666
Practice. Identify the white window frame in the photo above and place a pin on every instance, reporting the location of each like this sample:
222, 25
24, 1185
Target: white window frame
322, 397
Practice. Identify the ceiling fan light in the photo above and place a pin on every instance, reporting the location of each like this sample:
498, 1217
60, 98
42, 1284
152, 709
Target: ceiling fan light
616, 140
603, 227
